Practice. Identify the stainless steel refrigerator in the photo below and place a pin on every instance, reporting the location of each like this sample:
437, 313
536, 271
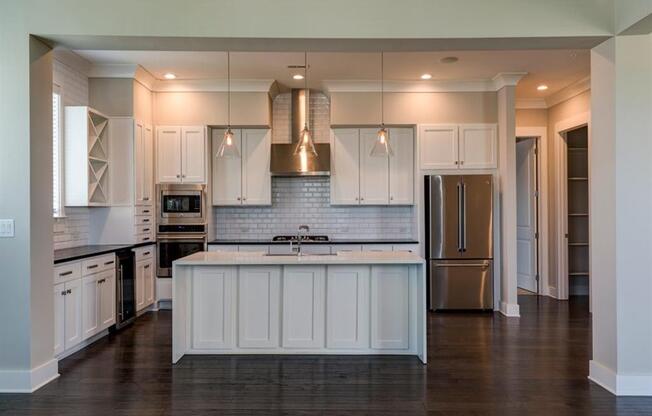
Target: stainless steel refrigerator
459, 241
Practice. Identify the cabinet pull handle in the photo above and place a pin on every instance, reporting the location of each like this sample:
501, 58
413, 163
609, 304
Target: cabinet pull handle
147, 253
145, 229
146, 199
63, 293
147, 266
92, 266
461, 162
146, 211
69, 291
108, 262
146, 220
146, 239
65, 273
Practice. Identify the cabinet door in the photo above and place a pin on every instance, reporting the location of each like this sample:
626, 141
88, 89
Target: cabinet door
347, 307
438, 147
227, 172
149, 282
90, 306
73, 314
140, 285
193, 152
303, 306
401, 167
168, 154
258, 306
213, 307
148, 166
139, 158
478, 146
390, 322
59, 318
374, 171
256, 178
345, 167
107, 298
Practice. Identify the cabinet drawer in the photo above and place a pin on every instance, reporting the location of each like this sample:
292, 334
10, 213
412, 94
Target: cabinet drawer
145, 229
346, 248
144, 238
411, 248
144, 210
144, 220
67, 271
98, 264
144, 253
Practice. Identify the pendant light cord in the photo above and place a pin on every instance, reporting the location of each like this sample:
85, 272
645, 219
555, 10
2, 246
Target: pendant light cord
228, 75
382, 89
307, 94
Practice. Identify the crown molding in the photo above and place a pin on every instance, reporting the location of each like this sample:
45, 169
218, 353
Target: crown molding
214, 85
507, 79
531, 104
568, 92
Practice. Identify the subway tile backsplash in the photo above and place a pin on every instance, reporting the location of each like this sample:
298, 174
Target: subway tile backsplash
306, 200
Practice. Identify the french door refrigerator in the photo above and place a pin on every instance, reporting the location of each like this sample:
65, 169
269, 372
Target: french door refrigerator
459, 241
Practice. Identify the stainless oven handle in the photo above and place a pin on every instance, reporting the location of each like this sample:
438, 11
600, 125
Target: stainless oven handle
190, 238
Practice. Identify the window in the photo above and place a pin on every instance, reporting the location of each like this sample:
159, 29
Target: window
57, 153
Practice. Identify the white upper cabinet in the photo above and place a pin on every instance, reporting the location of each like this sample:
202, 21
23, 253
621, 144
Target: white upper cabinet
181, 154
401, 167
374, 171
464, 146
193, 154
245, 180
144, 163
256, 177
438, 147
478, 146
345, 167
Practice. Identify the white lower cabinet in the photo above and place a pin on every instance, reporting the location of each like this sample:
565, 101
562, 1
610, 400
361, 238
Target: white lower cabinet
303, 306
107, 307
73, 314
59, 317
258, 306
90, 306
347, 306
213, 292
144, 279
390, 307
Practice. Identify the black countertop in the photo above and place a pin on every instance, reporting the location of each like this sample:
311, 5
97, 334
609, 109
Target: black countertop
82, 252
336, 241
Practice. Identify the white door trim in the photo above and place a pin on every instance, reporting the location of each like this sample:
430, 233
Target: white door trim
559, 145
541, 133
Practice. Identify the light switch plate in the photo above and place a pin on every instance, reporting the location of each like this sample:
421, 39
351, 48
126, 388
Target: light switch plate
6, 228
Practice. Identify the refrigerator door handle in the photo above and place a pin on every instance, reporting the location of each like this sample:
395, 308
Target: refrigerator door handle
460, 216
464, 217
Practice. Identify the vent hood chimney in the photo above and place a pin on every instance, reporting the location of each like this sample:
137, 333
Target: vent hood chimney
284, 162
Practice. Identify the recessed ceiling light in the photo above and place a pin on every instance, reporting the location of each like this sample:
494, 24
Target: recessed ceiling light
426, 76
449, 59
542, 87
169, 75
297, 76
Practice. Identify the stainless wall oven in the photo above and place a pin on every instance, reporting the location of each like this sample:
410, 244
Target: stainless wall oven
171, 248
181, 204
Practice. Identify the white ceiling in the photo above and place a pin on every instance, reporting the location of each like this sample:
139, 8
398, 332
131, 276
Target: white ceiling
555, 68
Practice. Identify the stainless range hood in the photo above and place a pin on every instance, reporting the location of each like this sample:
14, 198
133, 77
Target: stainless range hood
284, 162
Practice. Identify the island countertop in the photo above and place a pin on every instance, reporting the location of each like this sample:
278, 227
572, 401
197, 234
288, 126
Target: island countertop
206, 258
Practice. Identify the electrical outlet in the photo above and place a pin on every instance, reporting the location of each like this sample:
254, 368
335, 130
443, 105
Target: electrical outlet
6, 228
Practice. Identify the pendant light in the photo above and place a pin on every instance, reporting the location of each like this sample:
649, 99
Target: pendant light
228, 148
306, 144
381, 146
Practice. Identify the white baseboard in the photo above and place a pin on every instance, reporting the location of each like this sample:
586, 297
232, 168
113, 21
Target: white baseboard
164, 305
28, 381
618, 384
511, 310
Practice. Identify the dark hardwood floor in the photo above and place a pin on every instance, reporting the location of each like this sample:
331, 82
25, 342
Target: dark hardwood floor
480, 364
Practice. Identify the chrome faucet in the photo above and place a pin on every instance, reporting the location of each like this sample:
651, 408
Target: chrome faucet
305, 229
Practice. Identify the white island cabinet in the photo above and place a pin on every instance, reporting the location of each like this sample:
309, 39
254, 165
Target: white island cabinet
252, 303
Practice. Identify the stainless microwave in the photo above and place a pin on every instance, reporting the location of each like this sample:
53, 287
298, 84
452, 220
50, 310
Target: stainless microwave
181, 204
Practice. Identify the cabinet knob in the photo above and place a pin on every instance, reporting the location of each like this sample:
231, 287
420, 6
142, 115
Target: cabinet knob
391, 198
361, 199
183, 176
147, 266
69, 291
461, 162
238, 198
456, 162
63, 293
178, 176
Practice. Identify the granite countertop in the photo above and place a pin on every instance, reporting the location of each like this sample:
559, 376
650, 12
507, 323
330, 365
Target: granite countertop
205, 258
335, 241
81, 252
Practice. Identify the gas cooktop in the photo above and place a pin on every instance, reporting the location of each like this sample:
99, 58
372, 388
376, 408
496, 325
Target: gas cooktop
288, 238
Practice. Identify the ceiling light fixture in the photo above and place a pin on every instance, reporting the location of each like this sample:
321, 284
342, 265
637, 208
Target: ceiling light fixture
426, 76
381, 147
542, 87
228, 148
306, 144
297, 76
169, 75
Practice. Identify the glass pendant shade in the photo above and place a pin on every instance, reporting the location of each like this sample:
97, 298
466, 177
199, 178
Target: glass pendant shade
306, 143
381, 146
228, 148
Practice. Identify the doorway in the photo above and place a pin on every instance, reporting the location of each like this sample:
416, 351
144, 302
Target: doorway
527, 215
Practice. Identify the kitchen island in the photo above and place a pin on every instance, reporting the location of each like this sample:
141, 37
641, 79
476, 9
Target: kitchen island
253, 303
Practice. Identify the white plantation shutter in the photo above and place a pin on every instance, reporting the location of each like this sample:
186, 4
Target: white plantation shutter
57, 153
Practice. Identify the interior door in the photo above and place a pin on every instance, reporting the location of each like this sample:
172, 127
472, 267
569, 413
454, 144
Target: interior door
374, 171
168, 154
193, 164
345, 167
401, 167
227, 171
526, 206
256, 177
